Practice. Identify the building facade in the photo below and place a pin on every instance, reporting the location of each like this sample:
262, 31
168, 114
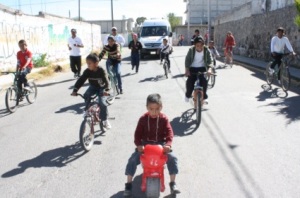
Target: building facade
197, 10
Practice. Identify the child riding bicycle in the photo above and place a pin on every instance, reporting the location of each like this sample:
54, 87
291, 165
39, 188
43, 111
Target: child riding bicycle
25, 65
153, 128
229, 45
114, 59
213, 51
98, 83
197, 60
165, 50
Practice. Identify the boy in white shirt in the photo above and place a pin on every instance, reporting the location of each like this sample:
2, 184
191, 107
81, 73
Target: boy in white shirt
165, 51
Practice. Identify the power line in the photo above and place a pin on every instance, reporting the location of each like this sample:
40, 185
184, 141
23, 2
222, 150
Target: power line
49, 2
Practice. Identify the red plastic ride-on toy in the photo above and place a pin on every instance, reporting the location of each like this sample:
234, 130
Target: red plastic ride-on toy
153, 161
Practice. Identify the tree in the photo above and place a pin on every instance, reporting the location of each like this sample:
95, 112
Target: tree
174, 20
140, 20
297, 18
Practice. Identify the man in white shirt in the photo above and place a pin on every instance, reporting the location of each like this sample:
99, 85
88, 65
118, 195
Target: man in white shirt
118, 38
74, 45
278, 44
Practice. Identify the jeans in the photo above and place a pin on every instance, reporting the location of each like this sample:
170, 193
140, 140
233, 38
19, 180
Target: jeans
22, 78
75, 63
116, 71
92, 90
192, 79
277, 61
134, 161
162, 56
135, 61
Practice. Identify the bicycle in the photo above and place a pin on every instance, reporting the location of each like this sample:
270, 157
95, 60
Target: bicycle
198, 96
113, 90
211, 79
227, 61
14, 95
284, 71
91, 118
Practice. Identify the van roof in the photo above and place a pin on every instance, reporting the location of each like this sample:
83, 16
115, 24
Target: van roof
156, 23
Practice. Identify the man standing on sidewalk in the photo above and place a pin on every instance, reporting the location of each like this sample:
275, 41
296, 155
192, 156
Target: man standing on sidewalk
74, 45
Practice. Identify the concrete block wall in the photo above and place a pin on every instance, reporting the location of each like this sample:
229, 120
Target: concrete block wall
253, 34
44, 34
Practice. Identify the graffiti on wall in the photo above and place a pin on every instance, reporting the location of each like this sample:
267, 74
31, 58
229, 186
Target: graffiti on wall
43, 35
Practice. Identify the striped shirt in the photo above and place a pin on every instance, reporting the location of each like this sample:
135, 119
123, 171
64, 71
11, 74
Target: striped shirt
113, 53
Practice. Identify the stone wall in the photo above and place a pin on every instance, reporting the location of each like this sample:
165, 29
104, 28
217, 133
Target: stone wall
253, 34
44, 34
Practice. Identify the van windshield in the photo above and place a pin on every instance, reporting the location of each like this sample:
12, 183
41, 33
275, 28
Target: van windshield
154, 31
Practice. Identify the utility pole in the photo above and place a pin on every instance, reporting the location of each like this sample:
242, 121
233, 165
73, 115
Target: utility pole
112, 13
208, 22
188, 18
79, 17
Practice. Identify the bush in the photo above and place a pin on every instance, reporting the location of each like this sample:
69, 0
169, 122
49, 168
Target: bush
297, 18
41, 61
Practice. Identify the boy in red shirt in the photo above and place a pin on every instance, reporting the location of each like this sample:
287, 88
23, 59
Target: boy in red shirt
153, 128
24, 57
229, 44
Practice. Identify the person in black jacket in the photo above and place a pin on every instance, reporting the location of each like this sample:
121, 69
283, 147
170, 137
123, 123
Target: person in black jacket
135, 47
98, 83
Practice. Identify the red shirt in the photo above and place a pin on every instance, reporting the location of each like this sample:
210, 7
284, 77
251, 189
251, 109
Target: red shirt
22, 58
153, 130
230, 41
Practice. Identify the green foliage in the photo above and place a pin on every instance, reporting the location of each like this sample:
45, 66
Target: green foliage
41, 61
174, 20
140, 20
297, 18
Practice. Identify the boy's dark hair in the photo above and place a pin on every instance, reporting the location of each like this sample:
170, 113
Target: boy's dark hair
93, 57
197, 31
154, 98
22, 42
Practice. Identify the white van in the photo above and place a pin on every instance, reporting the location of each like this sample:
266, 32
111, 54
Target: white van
151, 35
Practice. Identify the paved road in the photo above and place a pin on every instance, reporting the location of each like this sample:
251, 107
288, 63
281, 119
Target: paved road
246, 146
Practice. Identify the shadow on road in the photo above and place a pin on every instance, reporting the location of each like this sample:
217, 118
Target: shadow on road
75, 108
289, 107
4, 112
178, 76
269, 93
58, 157
240, 172
55, 83
184, 125
153, 79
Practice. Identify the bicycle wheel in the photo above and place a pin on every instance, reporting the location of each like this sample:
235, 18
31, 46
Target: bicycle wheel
166, 69
269, 77
86, 134
285, 77
113, 91
31, 95
198, 108
211, 80
11, 99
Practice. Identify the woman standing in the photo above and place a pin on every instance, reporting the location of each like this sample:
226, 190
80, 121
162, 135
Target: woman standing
135, 47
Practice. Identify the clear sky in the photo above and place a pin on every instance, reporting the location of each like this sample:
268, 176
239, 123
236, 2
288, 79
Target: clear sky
100, 9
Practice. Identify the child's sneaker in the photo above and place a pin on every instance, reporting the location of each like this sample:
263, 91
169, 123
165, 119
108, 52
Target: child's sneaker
174, 189
106, 124
128, 189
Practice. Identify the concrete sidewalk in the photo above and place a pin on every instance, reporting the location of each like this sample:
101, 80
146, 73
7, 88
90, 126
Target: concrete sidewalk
261, 65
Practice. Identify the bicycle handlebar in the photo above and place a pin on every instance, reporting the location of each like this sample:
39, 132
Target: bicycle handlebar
82, 96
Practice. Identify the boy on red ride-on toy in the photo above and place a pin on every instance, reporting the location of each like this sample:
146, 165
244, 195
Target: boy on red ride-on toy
153, 128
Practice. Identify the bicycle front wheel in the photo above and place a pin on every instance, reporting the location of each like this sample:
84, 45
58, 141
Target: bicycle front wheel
86, 134
269, 77
11, 99
113, 91
198, 108
31, 95
285, 77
